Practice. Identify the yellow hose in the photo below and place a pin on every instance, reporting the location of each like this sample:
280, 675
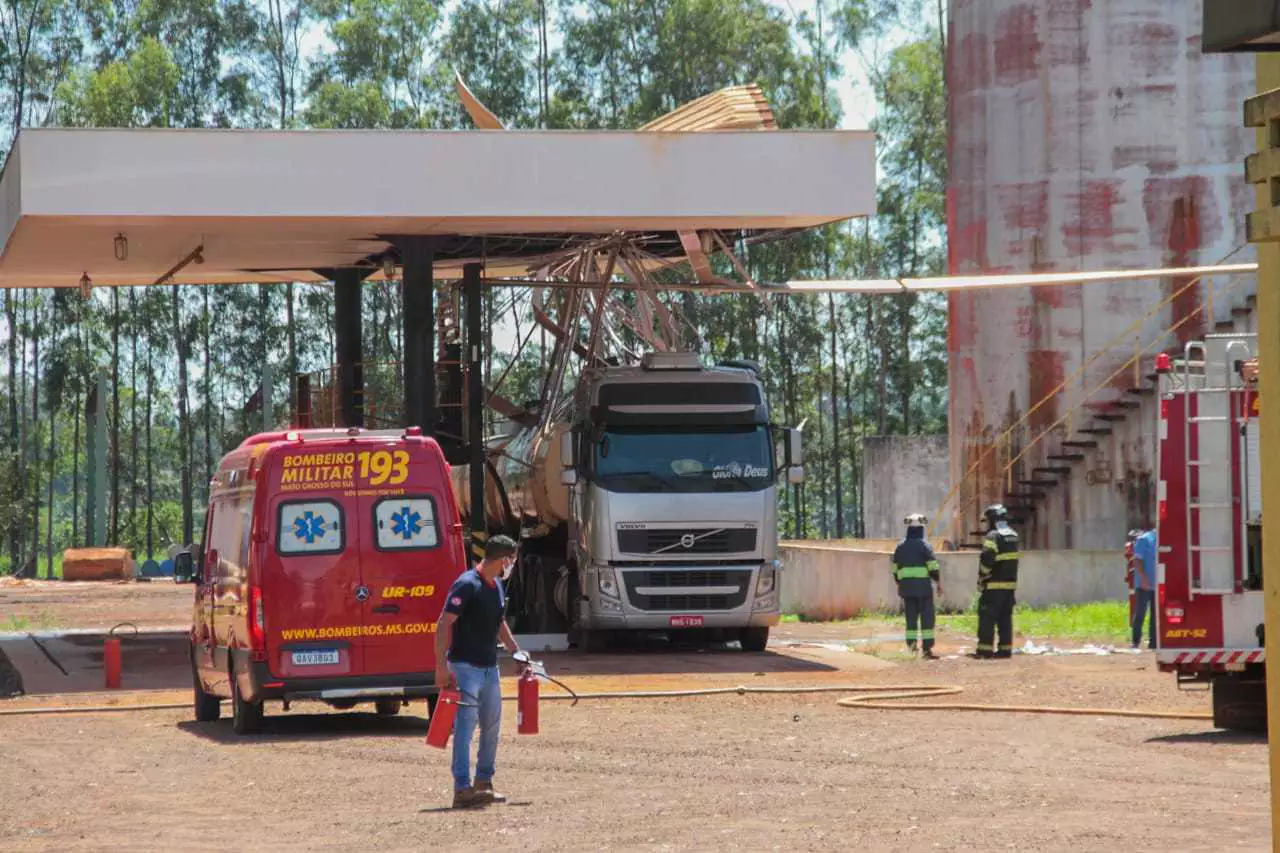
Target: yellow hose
886, 697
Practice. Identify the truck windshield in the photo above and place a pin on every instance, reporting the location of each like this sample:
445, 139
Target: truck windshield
715, 459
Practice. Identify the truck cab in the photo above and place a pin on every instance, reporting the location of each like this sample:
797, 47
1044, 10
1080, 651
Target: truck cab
673, 491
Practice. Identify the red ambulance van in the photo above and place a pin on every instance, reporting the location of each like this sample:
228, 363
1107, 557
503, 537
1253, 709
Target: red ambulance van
327, 555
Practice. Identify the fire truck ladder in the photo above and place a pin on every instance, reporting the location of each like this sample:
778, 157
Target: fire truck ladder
1210, 516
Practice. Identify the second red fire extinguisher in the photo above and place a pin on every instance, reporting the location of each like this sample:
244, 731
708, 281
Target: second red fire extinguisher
527, 702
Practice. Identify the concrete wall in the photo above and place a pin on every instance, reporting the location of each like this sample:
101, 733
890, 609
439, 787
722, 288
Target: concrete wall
834, 581
901, 474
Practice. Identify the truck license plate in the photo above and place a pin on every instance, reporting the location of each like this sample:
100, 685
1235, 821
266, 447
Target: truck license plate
314, 658
686, 621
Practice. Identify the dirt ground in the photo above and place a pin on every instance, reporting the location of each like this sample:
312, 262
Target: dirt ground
45, 605
756, 772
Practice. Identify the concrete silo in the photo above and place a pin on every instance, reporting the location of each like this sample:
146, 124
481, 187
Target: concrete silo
1084, 134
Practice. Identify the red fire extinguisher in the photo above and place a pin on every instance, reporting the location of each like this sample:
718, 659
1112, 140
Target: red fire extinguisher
527, 703
442, 718
111, 657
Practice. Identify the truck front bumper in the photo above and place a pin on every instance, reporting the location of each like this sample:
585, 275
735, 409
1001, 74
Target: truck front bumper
673, 597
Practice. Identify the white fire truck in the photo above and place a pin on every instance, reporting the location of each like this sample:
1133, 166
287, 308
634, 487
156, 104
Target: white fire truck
1209, 515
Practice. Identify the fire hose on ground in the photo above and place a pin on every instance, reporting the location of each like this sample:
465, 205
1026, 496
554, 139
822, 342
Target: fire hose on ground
886, 697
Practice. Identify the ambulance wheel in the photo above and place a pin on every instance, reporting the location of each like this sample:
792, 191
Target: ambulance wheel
1239, 705
754, 639
208, 708
246, 717
387, 707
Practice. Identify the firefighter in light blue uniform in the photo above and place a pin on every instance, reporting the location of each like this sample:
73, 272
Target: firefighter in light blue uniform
915, 568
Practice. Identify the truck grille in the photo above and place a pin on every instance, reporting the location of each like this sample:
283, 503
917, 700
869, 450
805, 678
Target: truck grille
705, 540
677, 580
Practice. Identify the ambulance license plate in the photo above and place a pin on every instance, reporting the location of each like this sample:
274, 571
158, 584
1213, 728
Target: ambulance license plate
316, 657
686, 621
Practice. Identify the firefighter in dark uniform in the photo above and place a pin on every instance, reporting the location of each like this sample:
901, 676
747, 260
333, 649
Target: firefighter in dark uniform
915, 568
997, 581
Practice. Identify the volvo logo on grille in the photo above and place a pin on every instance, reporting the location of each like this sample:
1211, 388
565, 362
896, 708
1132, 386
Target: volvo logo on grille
362, 593
687, 540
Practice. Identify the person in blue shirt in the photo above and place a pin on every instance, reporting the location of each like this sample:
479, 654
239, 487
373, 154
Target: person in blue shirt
467, 637
1144, 585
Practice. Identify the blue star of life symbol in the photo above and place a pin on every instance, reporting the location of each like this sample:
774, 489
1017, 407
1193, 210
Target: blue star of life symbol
308, 526
406, 523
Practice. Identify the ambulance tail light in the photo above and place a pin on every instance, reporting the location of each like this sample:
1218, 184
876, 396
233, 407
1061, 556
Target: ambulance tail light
1173, 612
257, 624
1162, 511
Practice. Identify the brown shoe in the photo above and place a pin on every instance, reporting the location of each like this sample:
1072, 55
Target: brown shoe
469, 798
485, 789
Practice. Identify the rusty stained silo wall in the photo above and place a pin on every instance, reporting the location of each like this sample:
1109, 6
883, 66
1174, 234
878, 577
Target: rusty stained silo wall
1084, 134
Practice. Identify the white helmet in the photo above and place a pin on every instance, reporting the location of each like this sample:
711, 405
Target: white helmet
915, 520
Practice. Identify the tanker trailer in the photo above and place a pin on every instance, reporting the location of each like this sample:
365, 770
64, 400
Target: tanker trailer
646, 502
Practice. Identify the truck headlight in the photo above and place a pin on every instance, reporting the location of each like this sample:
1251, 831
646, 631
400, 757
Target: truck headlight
607, 582
766, 579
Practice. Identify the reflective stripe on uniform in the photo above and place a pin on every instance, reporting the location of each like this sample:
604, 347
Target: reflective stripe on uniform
1002, 585
1012, 555
984, 647
990, 545
932, 565
909, 572
913, 635
926, 634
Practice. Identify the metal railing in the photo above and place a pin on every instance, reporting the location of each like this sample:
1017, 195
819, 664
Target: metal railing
1002, 446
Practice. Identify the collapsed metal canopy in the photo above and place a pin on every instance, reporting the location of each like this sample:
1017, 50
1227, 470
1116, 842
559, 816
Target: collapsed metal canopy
280, 205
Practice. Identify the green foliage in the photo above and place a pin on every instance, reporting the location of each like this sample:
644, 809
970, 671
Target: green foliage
847, 366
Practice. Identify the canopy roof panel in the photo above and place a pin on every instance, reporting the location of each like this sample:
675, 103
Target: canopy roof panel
277, 205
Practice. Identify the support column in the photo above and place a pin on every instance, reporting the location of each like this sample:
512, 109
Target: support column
348, 332
417, 255
473, 296
95, 492
1268, 78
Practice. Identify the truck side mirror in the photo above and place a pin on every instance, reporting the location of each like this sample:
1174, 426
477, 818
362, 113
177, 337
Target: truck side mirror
568, 444
183, 567
795, 446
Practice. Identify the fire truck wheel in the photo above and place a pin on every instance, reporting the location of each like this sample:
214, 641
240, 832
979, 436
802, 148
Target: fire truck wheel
754, 639
1239, 705
246, 717
387, 707
207, 708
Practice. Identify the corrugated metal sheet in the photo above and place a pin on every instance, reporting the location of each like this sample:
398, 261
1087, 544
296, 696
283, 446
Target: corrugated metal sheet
1084, 134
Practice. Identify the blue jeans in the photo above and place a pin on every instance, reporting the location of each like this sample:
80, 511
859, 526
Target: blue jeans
481, 698
1144, 600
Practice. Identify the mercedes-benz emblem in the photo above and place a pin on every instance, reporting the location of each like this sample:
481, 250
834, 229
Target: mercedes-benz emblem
687, 540
362, 593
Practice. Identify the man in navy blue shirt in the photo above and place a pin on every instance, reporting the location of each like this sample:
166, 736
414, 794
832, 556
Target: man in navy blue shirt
1144, 585
467, 638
